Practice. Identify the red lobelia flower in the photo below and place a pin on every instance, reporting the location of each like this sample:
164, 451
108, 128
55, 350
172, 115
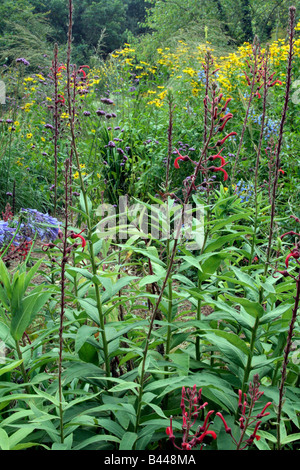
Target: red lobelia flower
83, 241
294, 254
180, 157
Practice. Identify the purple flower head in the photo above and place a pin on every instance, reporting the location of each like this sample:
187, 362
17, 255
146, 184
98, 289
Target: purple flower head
49, 126
86, 113
100, 112
111, 144
23, 61
106, 101
35, 222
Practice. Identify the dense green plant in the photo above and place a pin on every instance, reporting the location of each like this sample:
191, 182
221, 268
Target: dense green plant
107, 337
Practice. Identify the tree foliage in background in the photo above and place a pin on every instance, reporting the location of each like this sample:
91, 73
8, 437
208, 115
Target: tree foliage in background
23, 32
30, 27
229, 22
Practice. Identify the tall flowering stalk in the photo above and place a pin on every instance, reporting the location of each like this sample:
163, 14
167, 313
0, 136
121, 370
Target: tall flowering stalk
292, 15
254, 70
65, 250
190, 184
295, 255
267, 77
56, 116
171, 105
192, 407
74, 76
63, 300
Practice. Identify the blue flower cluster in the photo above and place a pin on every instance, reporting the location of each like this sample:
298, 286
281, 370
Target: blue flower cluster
32, 223
244, 191
44, 225
6, 233
271, 125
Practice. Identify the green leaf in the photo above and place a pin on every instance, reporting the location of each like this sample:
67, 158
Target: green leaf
95, 439
4, 440
252, 308
19, 435
9, 367
291, 438
233, 353
128, 441
25, 310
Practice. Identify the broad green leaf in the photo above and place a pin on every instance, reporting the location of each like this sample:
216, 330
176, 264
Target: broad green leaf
128, 441
96, 439
10, 366
4, 440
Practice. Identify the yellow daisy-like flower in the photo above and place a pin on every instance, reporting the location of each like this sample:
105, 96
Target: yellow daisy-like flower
76, 175
29, 136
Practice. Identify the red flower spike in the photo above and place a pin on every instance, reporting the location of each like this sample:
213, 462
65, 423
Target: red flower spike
294, 254
60, 68
181, 157
83, 241
204, 426
263, 413
281, 171
84, 73
289, 233
186, 446
62, 100
177, 160
240, 405
221, 142
219, 168
225, 119
227, 428
247, 78
206, 433
182, 405
274, 83
169, 429
220, 157
255, 431
226, 104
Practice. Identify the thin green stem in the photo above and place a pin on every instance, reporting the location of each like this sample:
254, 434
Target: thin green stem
23, 371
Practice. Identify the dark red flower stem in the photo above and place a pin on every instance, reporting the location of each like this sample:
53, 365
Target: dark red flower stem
287, 351
56, 123
292, 12
63, 298
253, 83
